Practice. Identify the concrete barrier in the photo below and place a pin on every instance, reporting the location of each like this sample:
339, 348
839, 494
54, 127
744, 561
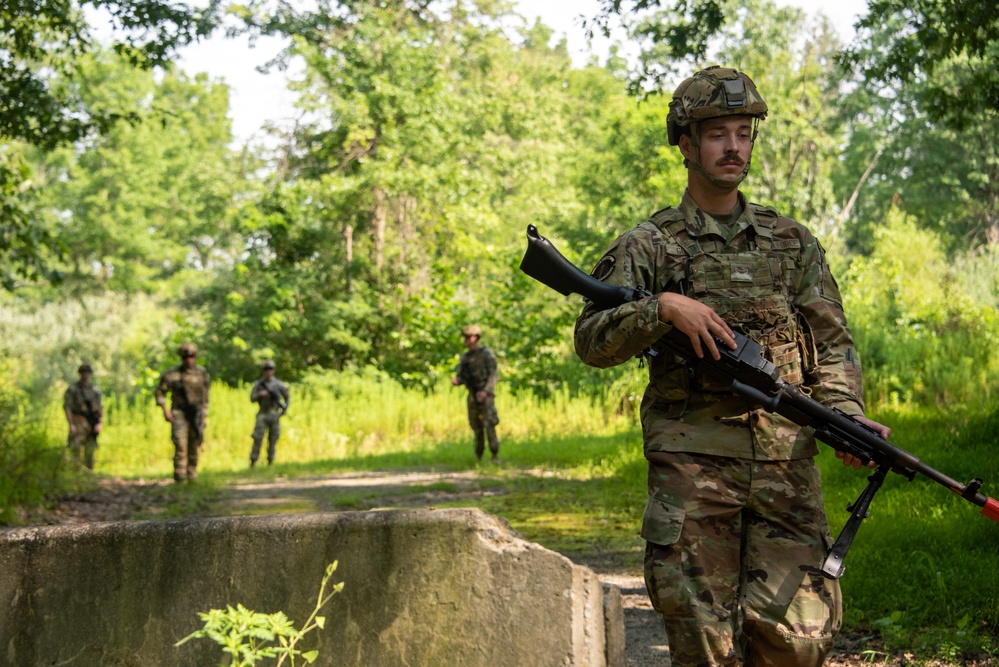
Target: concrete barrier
422, 587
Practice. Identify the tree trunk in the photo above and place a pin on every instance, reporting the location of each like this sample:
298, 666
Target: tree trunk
348, 249
379, 216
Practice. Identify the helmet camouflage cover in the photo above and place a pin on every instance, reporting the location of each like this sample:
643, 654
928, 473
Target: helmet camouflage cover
712, 93
188, 350
472, 330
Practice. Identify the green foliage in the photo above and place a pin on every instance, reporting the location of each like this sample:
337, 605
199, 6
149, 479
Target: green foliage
248, 636
128, 341
926, 326
42, 43
146, 201
922, 39
26, 245
32, 464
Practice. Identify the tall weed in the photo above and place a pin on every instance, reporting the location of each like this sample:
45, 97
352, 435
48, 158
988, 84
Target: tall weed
33, 465
925, 325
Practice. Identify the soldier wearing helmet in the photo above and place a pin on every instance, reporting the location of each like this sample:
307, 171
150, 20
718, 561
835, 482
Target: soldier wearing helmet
188, 385
85, 416
734, 524
273, 397
478, 372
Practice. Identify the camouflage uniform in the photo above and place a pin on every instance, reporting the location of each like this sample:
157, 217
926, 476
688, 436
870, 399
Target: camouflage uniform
478, 372
734, 524
82, 404
735, 528
188, 389
268, 416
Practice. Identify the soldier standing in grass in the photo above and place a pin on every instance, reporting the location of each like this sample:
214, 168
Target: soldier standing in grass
734, 525
272, 395
85, 414
477, 371
188, 385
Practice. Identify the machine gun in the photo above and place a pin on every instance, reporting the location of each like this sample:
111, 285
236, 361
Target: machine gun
759, 382
275, 396
93, 418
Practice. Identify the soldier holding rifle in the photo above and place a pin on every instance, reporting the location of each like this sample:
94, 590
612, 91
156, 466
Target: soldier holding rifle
273, 396
85, 415
477, 371
188, 385
734, 525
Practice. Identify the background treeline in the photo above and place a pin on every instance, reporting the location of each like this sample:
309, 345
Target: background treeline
429, 136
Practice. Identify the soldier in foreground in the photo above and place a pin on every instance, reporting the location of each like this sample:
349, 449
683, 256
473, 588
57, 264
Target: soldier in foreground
477, 371
734, 525
188, 385
272, 396
85, 415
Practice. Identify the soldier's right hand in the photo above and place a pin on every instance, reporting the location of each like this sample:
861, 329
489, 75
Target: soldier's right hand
699, 321
167, 415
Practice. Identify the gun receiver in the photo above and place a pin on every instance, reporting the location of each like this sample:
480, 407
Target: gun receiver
759, 382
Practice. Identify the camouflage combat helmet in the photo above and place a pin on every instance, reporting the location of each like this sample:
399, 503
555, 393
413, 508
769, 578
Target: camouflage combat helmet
268, 365
85, 368
188, 350
472, 330
712, 93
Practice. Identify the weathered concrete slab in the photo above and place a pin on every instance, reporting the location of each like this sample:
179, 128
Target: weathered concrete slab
423, 587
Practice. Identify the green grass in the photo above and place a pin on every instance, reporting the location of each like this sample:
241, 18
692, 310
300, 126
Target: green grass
923, 573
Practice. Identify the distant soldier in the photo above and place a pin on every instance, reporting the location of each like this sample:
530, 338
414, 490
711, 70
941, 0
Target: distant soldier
477, 371
85, 414
272, 395
188, 385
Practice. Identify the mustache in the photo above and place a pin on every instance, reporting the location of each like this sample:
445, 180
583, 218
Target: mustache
731, 159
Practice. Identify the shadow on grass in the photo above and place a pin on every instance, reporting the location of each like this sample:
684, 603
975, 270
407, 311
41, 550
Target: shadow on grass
582, 496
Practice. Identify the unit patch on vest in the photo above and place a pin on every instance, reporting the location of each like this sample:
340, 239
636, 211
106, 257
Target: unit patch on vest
604, 267
742, 273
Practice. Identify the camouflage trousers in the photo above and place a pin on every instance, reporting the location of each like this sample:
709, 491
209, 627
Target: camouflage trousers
83, 442
269, 423
483, 418
187, 439
733, 554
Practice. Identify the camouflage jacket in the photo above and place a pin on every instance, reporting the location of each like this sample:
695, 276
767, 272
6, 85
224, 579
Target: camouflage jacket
78, 395
188, 388
477, 370
766, 275
267, 403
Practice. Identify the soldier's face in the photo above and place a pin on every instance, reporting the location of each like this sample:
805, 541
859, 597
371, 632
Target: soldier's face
471, 341
268, 373
189, 360
726, 147
85, 377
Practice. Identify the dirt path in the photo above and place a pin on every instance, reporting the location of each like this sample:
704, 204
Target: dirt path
118, 500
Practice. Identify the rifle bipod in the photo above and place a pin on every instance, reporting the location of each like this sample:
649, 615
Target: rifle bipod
832, 566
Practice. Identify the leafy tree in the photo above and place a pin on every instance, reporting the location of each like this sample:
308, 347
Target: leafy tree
430, 142
146, 199
917, 41
42, 41
936, 163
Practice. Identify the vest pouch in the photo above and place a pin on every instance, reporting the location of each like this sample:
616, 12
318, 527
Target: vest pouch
662, 522
787, 358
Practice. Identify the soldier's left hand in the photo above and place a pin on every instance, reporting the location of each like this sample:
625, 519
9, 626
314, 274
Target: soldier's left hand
854, 462
97, 427
481, 396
